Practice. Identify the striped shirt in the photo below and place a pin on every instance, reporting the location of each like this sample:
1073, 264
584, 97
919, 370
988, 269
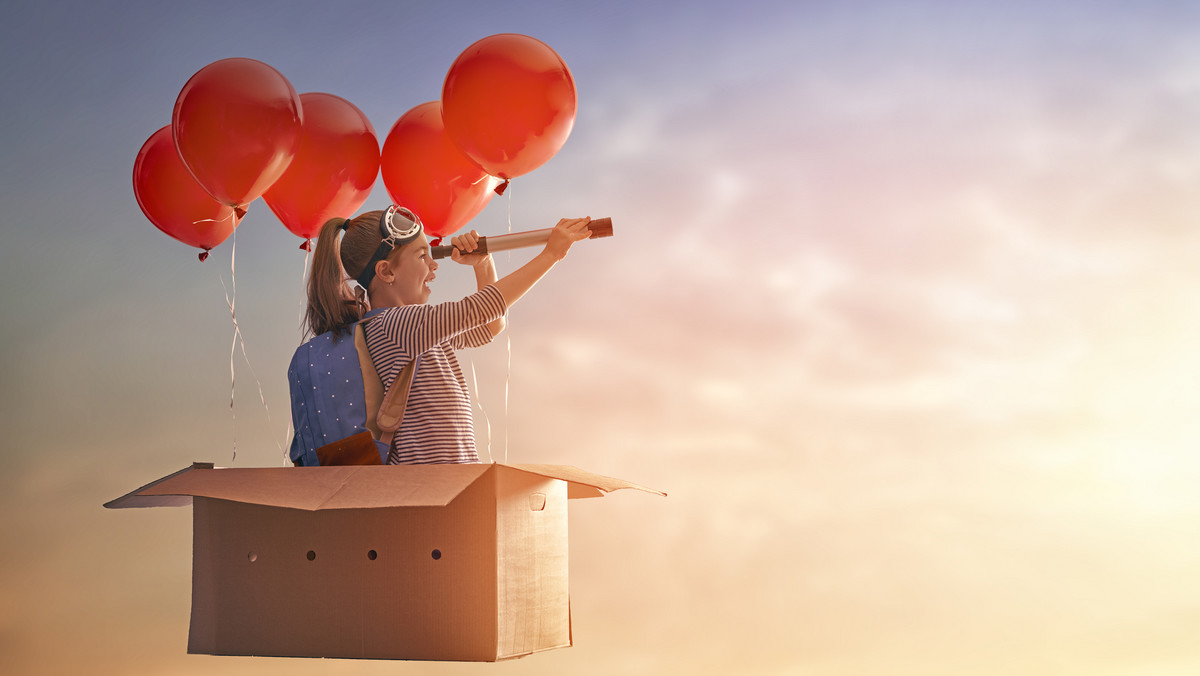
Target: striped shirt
437, 426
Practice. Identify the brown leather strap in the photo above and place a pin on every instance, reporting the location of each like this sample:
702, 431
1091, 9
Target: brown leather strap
391, 411
385, 410
372, 385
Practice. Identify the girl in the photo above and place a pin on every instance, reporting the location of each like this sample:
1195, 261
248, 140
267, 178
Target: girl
387, 254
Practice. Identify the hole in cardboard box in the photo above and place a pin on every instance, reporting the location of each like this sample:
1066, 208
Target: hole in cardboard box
372, 554
252, 557
312, 556
537, 502
436, 554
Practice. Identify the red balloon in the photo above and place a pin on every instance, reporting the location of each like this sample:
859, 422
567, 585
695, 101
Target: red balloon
172, 199
424, 171
334, 169
237, 126
509, 103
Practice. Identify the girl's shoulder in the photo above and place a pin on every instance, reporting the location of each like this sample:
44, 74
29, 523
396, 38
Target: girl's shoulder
385, 314
392, 320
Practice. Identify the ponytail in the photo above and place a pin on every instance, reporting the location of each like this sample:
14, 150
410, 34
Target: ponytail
332, 305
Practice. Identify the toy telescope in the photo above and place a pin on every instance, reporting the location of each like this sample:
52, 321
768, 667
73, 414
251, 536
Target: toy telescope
600, 227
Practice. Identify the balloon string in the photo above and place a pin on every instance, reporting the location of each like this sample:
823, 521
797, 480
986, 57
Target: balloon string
300, 325
204, 254
510, 219
508, 374
232, 389
479, 402
239, 340
233, 347
303, 298
219, 220
507, 380
231, 302
508, 343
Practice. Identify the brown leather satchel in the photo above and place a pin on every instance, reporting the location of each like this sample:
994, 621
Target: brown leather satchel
357, 449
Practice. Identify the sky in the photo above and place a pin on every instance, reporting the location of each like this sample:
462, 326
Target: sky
900, 310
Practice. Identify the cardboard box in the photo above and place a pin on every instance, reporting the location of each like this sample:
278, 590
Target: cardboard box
424, 562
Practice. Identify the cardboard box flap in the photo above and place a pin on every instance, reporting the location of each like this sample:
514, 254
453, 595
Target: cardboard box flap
581, 484
136, 498
309, 488
352, 487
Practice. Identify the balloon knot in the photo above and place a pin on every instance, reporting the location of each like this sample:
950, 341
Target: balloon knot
502, 187
204, 255
307, 245
437, 241
240, 212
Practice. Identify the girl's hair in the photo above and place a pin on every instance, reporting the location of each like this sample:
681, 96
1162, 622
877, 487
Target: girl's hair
332, 306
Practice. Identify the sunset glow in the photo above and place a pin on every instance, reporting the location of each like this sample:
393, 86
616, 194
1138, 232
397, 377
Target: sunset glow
901, 310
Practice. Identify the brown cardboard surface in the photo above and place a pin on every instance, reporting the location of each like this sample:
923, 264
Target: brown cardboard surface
436, 562
531, 553
313, 488
401, 604
583, 484
138, 499
347, 487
